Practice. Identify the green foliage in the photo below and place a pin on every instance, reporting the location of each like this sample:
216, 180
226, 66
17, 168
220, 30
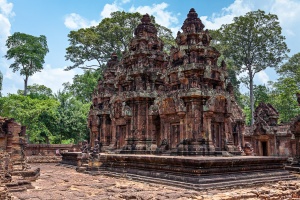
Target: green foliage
261, 94
28, 112
291, 69
253, 42
36, 91
90, 48
72, 122
28, 53
284, 98
83, 85
52, 120
245, 105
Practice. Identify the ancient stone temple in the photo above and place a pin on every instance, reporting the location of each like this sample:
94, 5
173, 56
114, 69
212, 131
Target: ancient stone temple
181, 103
267, 137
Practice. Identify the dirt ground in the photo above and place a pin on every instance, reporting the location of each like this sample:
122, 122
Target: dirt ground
57, 182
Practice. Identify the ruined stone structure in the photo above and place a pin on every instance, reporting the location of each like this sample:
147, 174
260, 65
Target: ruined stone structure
268, 138
13, 141
181, 103
14, 170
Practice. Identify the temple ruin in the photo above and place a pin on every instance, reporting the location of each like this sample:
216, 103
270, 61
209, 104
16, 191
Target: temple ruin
14, 171
267, 137
181, 103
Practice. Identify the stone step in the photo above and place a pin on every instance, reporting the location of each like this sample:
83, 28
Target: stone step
200, 185
193, 178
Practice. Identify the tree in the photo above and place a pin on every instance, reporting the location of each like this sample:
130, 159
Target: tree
291, 69
90, 48
253, 42
37, 91
28, 112
283, 97
72, 122
83, 85
28, 53
261, 94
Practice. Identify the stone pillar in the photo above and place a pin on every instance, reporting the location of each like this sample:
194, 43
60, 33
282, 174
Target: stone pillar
208, 116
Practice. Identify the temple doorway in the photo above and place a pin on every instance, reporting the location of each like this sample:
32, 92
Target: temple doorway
121, 135
217, 135
264, 148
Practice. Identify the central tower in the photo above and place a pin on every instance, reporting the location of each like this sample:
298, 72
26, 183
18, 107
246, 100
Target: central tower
181, 103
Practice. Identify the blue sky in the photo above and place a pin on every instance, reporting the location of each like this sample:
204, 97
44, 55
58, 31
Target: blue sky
56, 18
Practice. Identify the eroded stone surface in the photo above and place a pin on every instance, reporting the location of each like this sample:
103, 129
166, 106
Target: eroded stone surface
58, 182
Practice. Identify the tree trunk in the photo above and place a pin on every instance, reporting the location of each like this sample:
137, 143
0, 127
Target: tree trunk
251, 97
25, 85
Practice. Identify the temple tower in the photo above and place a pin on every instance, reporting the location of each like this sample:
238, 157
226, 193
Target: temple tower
150, 102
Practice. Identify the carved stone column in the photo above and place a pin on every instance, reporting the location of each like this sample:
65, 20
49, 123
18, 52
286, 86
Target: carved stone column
208, 132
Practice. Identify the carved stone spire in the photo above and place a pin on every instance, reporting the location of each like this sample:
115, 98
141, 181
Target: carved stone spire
192, 23
146, 28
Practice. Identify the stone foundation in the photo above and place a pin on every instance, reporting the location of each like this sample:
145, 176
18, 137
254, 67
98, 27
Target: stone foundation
194, 172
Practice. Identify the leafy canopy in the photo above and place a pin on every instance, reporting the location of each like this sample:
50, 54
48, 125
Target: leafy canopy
83, 85
90, 48
291, 68
28, 53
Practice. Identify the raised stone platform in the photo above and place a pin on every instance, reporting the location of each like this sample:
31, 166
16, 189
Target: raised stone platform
194, 172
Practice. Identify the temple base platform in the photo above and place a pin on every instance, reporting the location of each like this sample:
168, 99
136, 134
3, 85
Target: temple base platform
194, 172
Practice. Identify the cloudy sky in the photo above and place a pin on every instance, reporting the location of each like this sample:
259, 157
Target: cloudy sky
56, 18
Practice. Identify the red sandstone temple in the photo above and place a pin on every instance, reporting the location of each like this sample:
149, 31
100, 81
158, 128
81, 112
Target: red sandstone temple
180, 103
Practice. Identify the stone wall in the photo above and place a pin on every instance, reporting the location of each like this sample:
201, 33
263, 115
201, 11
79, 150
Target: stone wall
49, 149
43, 159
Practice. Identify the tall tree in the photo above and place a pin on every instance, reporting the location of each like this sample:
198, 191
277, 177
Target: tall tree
254, 42
28, 53
90, 48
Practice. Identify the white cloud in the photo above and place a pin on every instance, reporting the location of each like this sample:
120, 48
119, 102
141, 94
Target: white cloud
109, 8
6, 8
263, 77
162, 16
52, 77
237, 8
125, 1
6, 13
75, 21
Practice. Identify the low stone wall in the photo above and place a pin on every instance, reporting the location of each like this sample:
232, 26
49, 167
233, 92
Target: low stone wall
49, 149
43, 159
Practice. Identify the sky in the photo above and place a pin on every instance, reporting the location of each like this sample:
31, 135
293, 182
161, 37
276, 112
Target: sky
56, 18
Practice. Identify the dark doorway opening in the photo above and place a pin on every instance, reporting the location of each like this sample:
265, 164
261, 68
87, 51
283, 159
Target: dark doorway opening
264, 147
